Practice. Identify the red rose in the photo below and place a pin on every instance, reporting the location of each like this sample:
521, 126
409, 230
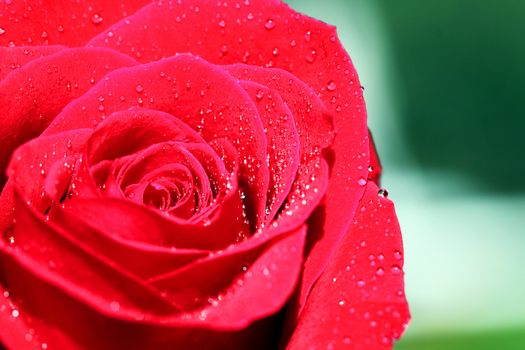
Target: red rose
188, 174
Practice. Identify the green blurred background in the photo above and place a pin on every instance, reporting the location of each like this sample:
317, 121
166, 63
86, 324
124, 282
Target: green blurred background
445, 91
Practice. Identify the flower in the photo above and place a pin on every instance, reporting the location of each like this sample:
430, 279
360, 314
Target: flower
190, 174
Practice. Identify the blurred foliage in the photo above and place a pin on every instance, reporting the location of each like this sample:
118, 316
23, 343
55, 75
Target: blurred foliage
494, 340
461, 70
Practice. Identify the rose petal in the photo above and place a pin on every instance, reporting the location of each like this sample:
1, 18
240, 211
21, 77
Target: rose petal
360, 298
192, 90
307, 108
12, 58
32, 162
34, 94
75, 268
126, 132
265, 286
132, 222
283, 143
190, 286
143, 260
69, 22
269, 33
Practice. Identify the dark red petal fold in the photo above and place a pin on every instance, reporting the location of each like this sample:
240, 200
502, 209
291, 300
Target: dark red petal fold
359, 300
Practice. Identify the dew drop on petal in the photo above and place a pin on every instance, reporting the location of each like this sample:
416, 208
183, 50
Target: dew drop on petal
139, 88
382, 193
395, 269
269, 24
361, 181
2, 31
397, 255
331, 86
96, 19
114, 306
308, 37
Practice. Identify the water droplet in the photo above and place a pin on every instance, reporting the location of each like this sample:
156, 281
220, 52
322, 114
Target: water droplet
382, 193
397, 255
269, 24
15, 313
222, 24
310, 58
275, 52
139, 88
96, 19
395, 269
60, 28
2, 31
260, 94
341, 302
380, 272
114, 306
361, 283
308, 36
361, 181
331, 86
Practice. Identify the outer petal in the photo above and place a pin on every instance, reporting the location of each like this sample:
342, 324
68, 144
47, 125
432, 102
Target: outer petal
359, 300
12, 58
69, 22
228, 321
34, 94
269, 33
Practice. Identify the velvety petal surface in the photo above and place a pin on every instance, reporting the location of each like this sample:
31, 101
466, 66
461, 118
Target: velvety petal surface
33, 95
68, 22
359, 302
